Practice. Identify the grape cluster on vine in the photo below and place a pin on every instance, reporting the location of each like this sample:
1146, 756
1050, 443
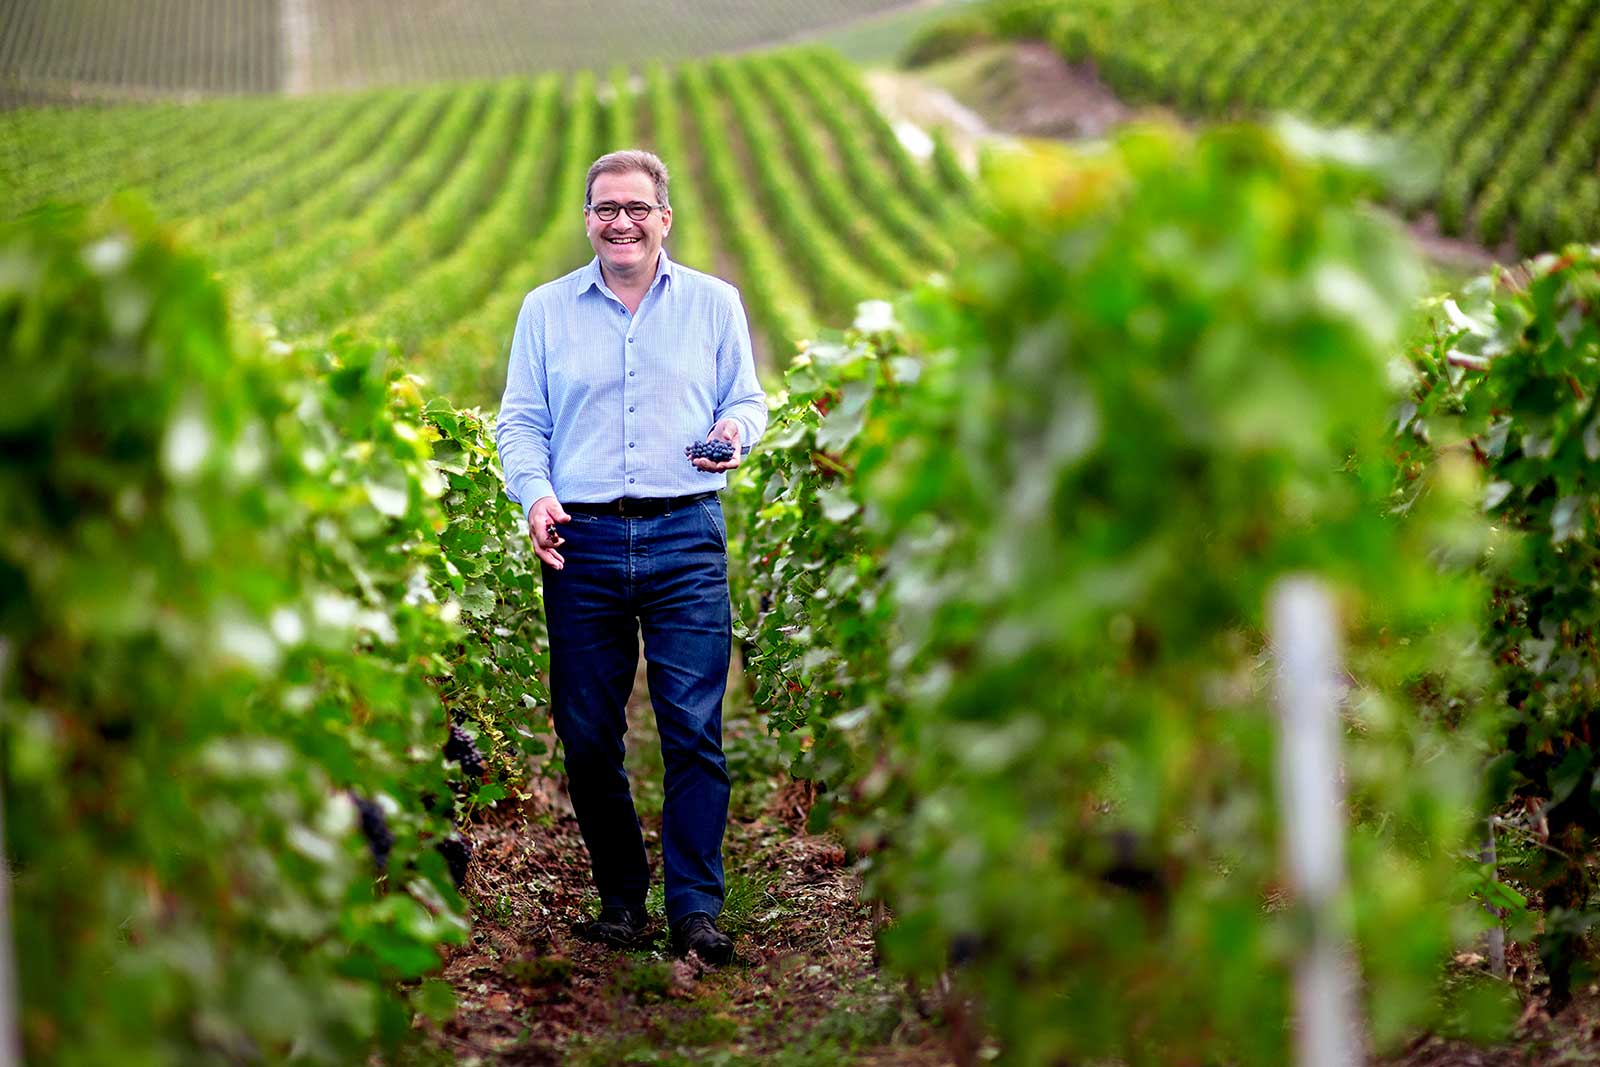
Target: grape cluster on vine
457, 853
375, 828
462, 749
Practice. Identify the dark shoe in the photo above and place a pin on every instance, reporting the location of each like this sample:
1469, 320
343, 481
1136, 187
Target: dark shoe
696, 933
617, 926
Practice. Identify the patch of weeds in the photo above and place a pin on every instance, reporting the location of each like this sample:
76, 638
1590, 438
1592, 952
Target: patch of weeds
417, 1050
859, 1026
695, 1025
644, 980
852, 1027
746, 898
540, 970
641, 1050
502, 910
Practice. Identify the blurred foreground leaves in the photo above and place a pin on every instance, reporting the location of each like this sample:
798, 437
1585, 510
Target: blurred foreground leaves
236, 579
1004, 582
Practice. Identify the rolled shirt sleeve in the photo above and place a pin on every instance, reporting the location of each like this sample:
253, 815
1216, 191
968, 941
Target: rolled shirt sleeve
524, 426
739, 394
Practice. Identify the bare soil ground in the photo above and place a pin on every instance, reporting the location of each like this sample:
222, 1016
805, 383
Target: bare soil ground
804, 988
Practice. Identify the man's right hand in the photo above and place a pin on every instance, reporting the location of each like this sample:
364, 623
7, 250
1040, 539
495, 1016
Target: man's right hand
542, 517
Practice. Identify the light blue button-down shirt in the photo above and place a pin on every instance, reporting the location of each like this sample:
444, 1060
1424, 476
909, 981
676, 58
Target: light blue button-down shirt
600, 403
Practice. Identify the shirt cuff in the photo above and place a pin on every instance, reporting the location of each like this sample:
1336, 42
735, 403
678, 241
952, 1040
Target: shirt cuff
745, 436
537, 489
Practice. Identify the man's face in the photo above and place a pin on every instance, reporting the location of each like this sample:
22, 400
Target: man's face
624, 245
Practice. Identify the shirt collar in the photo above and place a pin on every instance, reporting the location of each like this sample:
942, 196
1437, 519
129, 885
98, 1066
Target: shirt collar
594, 279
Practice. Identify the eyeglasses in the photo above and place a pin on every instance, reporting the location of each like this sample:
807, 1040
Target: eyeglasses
638, 211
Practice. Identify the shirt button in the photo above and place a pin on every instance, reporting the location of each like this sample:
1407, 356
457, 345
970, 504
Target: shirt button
630, 374
630, 444
630, 407
630, 340
630, 481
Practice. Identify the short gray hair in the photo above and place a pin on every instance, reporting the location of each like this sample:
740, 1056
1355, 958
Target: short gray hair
627, 162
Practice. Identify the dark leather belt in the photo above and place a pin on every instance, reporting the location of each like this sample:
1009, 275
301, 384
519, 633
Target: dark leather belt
639, 507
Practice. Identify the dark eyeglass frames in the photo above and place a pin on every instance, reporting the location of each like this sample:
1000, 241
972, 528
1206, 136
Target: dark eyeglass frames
638, 211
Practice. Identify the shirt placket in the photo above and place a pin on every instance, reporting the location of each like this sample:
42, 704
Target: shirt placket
630, 394
633, 384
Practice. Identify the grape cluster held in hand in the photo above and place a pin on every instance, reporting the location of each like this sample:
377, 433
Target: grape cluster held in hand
716, 451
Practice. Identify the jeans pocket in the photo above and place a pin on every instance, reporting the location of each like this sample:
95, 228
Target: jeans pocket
719, 531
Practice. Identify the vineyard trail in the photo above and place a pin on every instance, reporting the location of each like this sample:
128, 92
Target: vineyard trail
804, 987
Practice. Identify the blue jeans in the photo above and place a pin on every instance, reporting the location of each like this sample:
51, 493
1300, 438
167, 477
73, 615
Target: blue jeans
668, 575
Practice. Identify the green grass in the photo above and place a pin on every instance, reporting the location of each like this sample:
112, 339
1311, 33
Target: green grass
878, 40
982, 78
705, 1033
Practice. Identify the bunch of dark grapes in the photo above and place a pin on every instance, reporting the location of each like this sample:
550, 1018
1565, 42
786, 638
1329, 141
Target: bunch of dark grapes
457, 853
375, 828
460, 748
718, 451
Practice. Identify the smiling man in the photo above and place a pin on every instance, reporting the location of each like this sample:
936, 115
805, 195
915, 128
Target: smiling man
617, 371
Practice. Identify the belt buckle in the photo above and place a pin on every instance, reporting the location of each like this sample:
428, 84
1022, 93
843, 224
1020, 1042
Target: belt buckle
621, 506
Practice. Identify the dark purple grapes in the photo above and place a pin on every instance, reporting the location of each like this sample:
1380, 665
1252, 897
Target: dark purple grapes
375, 828
718, 451
461, 749
457, 853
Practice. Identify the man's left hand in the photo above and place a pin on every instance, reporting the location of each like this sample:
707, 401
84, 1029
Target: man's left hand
725, 430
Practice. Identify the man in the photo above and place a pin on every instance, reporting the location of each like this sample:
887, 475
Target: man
615, 371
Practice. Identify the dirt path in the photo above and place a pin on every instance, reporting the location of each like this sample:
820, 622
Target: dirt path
1025, 89
804, 988
296, 31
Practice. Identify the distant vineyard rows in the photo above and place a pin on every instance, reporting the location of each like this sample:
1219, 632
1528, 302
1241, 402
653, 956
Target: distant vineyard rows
58, 49
426, 214
63, 50
1505, 94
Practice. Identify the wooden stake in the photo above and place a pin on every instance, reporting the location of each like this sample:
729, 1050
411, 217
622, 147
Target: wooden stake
1497, 932
1308, 690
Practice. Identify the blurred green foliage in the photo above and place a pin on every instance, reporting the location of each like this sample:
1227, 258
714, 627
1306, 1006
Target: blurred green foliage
1004, 577
236, 579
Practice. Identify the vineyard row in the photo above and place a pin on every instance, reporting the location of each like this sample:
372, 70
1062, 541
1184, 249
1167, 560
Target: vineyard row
1504, 96
426, 215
